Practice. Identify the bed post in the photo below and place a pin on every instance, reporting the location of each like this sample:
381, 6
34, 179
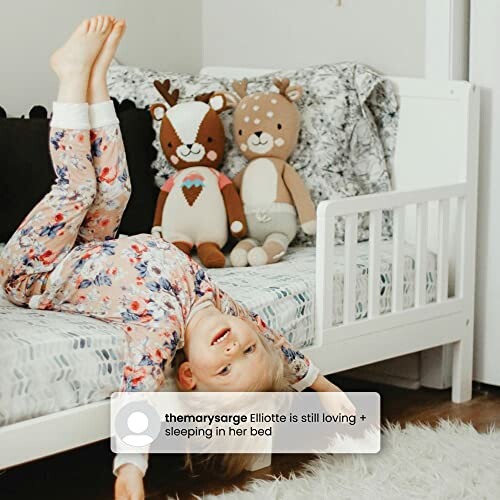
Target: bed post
462, 368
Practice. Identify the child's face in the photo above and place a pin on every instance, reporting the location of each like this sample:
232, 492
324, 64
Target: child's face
224, 354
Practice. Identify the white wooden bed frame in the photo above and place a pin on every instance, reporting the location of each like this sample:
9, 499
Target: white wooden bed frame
435, 170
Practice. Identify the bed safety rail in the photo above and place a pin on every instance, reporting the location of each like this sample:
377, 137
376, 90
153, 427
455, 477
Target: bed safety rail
438, 210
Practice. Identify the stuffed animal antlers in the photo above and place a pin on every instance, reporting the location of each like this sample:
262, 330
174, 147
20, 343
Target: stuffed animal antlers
240, 87
290, 92
164, 90
281, 85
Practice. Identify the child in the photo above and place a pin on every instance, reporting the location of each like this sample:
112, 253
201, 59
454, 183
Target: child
64, 257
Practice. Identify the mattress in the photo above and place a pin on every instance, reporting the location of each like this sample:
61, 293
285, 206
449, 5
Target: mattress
53, 361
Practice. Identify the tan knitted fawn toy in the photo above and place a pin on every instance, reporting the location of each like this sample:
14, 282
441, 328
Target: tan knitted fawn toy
266, 127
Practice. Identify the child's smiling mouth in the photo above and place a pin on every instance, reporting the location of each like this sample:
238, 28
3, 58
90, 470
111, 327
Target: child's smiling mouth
220, 336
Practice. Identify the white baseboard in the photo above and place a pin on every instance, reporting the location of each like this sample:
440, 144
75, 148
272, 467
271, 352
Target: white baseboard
381, 378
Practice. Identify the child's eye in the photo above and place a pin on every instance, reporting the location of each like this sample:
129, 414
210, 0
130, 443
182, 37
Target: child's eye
250, 349
225, 370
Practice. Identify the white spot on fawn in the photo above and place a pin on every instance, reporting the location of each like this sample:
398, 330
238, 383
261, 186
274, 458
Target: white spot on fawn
274, 101
246, 119
256, 121
270, 114
256, 108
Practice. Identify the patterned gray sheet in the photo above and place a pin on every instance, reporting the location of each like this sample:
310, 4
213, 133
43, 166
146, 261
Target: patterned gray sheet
53, 361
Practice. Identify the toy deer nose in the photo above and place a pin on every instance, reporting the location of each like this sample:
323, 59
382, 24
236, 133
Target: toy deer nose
258, 134
189, 146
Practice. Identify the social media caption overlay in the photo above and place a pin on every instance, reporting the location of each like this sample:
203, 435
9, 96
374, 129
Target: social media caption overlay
243, 422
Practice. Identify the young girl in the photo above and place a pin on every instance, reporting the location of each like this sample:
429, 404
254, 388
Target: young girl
64, 257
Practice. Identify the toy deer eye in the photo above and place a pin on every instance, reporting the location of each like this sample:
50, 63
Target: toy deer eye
169, 145
240, 132
209, 139
279, 126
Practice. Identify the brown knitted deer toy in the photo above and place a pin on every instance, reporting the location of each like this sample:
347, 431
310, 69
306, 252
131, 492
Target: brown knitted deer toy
266, 127
195, 205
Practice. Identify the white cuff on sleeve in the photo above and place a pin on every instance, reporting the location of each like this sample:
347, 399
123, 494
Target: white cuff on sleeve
311, 376
102, 114
140, 460
70, 116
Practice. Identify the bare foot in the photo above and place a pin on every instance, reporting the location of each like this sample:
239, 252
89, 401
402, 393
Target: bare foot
73, 62
98, 90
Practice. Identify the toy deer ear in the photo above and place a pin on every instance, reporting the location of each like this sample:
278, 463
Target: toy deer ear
158, 111
219, 102
294, 92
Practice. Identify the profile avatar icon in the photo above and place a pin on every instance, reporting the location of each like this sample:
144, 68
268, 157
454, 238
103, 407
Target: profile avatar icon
137, 424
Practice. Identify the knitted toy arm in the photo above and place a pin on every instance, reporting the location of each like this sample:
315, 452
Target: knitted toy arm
234, 209
301, 198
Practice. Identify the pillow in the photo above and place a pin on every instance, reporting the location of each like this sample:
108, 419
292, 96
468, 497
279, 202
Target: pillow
347, 138
136, 84
27, 172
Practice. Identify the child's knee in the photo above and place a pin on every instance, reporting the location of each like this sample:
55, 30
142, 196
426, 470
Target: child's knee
87, 195
81, 191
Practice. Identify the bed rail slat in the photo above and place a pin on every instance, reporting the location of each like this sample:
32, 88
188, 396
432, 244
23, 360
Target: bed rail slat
460, 255
421, 255
442, 254
325, 251
374, 264
398, 259
350, 254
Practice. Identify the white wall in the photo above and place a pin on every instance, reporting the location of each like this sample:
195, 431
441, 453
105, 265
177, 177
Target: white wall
484, 71
388, 35
162, 34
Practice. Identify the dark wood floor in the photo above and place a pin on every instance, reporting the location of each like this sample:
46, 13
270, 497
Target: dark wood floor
85, 473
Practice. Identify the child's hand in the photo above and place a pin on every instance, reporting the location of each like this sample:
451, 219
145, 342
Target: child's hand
340, 404
129, 484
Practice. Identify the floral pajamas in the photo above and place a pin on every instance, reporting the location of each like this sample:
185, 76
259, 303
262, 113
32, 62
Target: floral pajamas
65, 257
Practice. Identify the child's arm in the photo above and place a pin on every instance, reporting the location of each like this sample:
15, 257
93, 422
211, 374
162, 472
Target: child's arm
129, 484
149, 350
306, 373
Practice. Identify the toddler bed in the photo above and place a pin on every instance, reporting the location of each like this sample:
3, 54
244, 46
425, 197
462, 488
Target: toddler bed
345, 305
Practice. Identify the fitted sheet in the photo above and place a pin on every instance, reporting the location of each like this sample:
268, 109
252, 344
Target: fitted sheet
53, 361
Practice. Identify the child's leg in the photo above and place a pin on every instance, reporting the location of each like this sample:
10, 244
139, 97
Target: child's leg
113, 182
108, 154
48, 233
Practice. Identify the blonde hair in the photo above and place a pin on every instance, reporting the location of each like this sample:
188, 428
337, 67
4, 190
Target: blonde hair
230, 465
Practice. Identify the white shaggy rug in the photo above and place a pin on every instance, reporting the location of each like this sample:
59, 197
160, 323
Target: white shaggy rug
452, 461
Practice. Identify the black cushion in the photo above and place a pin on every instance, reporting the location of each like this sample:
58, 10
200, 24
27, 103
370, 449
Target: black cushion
138, 135
27, 173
